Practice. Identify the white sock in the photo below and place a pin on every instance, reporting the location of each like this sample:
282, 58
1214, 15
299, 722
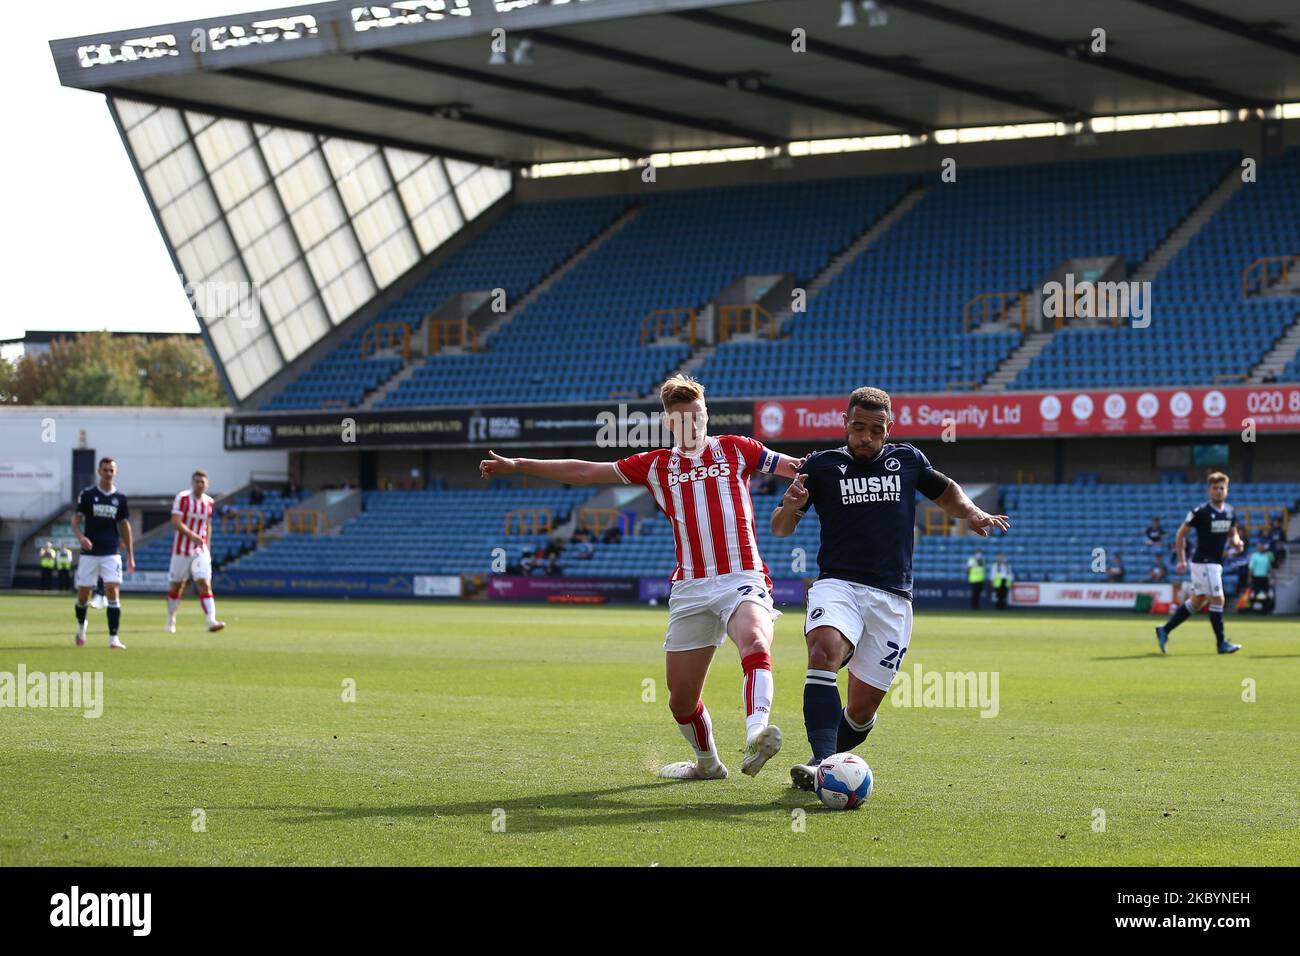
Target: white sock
757, 690
173, 604
698, 731
209, 605
859, 727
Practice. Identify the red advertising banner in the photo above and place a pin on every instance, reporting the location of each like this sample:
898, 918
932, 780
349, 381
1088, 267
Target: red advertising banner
1153, 411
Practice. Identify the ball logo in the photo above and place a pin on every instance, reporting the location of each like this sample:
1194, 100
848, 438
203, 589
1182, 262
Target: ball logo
1148, 405
892, 464
1082, 407
1050, 408
1214, 404
1115, 405
1180, 405
771, 418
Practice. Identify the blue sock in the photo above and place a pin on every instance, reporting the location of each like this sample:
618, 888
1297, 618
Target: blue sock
821, 712
851, 734
114, 617
1216, 622
1181, 613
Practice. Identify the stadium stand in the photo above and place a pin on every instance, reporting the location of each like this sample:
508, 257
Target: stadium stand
903, 299
155, 554
682, 250
514, 254
1200, 290
1055, 529
420, 532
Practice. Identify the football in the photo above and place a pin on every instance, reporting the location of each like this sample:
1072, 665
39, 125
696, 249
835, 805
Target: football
843, 781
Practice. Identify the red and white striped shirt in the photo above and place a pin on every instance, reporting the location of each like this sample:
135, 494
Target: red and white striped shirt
707, 500
195, 515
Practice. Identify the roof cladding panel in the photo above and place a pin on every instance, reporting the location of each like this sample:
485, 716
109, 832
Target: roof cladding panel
280, 235
936, 64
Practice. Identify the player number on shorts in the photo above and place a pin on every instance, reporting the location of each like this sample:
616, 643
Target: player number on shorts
747, 588
895, 657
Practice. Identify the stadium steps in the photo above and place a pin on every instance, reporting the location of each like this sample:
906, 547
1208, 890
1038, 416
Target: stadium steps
837, 264
1283, 353
377, 395
1029, 349
569, 264
1185, 231
844, 259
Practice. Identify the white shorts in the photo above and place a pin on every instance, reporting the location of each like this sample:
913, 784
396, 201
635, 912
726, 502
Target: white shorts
1207, 579
90, 568
699, 608
196, 566
877, 623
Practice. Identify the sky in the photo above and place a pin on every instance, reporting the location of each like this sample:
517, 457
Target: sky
80, 249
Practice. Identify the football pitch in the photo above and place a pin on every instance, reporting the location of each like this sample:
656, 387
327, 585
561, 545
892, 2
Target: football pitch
334, 732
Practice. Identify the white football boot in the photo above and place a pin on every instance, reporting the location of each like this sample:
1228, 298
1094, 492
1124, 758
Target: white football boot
759, 749
170, 626
689, 770
115, 644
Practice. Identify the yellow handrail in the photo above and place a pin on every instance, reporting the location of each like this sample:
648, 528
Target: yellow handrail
451, 332
597, 520
1264, 267
529, 521
1265, 513
994, 306
674, 319
733, 319
245, 522
386, 335
305, 521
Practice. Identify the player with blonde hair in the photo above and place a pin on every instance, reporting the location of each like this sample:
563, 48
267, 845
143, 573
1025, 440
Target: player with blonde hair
720, 587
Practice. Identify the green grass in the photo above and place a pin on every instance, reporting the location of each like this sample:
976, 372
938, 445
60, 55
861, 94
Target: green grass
464, 709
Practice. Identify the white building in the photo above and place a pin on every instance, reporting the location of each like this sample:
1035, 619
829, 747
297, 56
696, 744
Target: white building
156, 449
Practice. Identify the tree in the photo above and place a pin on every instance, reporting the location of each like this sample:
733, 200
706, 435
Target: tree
94, 368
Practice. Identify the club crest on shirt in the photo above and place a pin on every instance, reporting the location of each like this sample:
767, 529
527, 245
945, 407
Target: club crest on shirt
892, 464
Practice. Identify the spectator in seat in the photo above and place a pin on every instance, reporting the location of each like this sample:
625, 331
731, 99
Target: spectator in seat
255, 495
1158, 573
613, 536
1155, 534
1115, 573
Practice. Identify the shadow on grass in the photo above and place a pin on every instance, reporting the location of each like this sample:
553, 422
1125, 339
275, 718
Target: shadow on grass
1241, 655
545, 813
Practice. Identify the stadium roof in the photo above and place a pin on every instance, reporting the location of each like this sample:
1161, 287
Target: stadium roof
302, 162
631, 78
